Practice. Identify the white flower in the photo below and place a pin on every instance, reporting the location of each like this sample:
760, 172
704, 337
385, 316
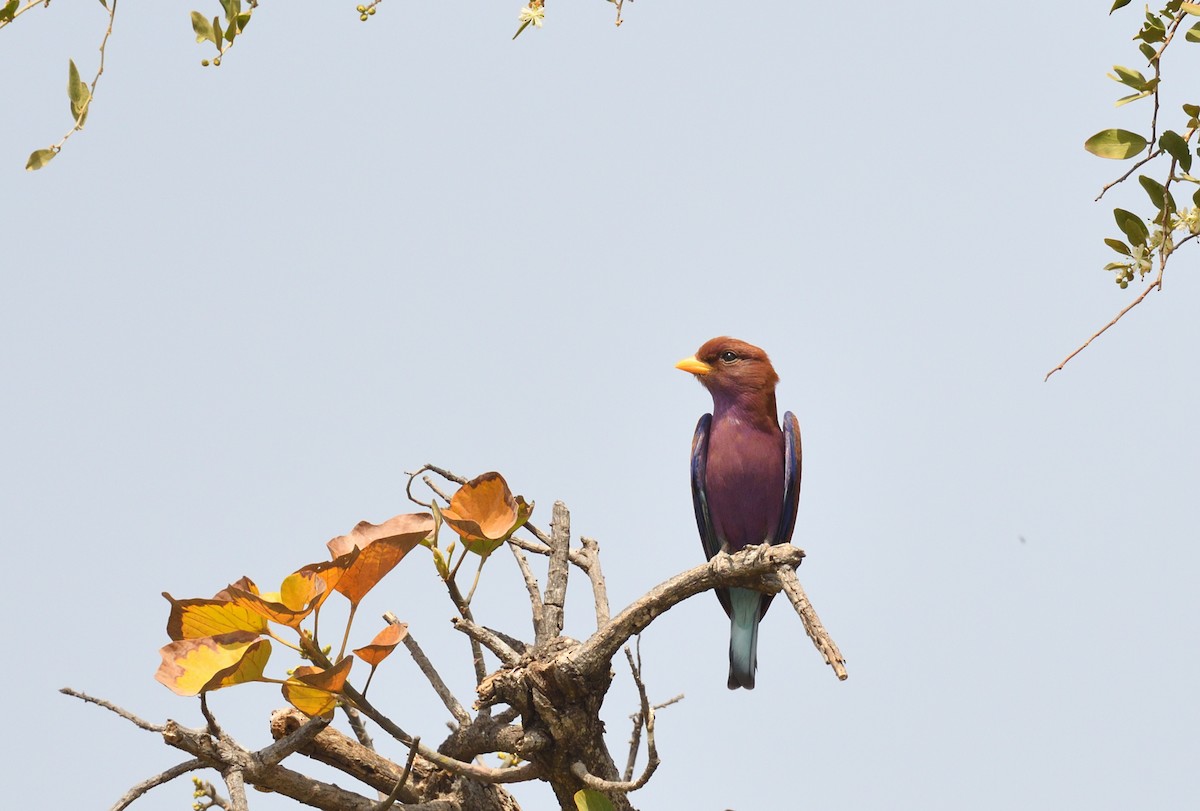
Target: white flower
533, 14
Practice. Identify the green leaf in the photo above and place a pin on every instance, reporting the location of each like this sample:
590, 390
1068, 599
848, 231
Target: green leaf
1129, 77
74, 85
1121, 102
1147, 51
1158, 195
202, 27
1192, 110
1115, 144
9, 10
232, 9
1132, 226
39, 159
1190, 8
1118, 4
242, 21
1193, 33
1173, 143
588, 800
104, 3
216, 27
1118, 246
1196, 197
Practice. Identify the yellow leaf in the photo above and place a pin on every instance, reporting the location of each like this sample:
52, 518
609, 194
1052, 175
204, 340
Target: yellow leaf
192, 666
195, 619
309, 700
312, 690
276, 608
383, 644
485, 513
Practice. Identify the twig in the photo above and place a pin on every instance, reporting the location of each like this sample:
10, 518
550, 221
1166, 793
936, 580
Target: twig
812, 623
490, 639
464, 611
559, 569
108, 705
445, 474
205, 789
358, 726
395, 795
157, 780
214, 728
434, 678
591, 550
635, 739
531, 585
1102, 330
1153, 154
429, 483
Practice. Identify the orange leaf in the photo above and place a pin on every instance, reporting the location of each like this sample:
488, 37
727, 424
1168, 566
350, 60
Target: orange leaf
195, 619
383, 644
332, 679
382, 547
330, 571
193, 666
485, 513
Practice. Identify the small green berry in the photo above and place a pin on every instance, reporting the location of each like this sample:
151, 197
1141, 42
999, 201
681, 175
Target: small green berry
361, 9
363, 18
217, 62
371, 10
203, 63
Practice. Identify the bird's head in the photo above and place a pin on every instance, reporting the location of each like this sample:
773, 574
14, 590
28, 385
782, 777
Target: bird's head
735, 372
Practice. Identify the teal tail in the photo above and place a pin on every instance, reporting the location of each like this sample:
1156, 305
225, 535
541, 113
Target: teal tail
746, 610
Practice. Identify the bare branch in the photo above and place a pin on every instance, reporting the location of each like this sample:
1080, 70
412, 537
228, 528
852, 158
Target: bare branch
108, 705
395, 795
157, 780
531, 585
237, 789
432, 676
492, 640
556, 576
812, 623
1104, 329
221, 755
302, 737
752, 567
358, 726
591, 551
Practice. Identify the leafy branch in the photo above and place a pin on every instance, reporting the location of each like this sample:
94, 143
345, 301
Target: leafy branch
554, 685
1150, 241
80, 94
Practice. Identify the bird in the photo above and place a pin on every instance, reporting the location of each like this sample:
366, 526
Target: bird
745, 472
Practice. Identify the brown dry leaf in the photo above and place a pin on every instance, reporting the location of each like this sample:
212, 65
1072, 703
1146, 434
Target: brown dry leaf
192, 666
298, 596
244, 583
484, 512
383, 644
195, 619
382, 547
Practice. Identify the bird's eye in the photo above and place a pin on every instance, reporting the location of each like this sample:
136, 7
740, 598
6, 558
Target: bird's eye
729, 356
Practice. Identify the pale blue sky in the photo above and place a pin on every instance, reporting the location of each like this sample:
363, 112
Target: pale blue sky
245, 299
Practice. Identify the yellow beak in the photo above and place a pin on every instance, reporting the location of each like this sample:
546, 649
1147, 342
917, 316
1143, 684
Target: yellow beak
694, 365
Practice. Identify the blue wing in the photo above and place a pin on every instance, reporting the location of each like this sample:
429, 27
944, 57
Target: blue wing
708, 536
792, 457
